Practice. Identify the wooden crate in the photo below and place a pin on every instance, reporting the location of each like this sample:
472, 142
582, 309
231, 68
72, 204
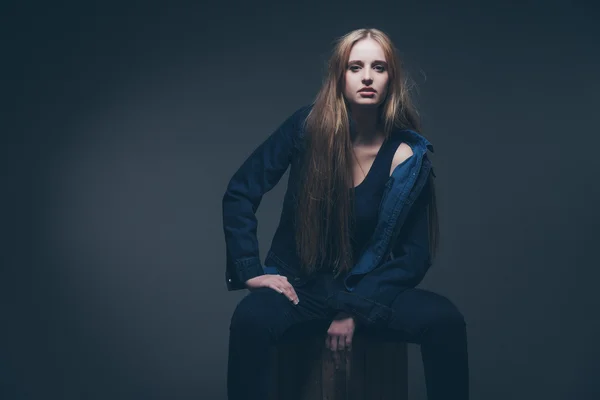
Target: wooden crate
375, 369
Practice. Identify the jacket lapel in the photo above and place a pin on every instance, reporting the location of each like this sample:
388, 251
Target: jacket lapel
405, 184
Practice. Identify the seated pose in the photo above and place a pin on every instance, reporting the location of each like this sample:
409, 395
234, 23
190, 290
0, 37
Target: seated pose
358, 228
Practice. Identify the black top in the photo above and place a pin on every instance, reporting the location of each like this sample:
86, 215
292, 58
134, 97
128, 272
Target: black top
367, 198
368, 195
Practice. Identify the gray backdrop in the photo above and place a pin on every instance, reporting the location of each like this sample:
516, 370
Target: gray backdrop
123, 125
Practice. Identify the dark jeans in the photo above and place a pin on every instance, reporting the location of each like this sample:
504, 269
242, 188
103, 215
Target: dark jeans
420, 317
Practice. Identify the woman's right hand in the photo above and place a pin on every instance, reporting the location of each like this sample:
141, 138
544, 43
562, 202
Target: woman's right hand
278, 283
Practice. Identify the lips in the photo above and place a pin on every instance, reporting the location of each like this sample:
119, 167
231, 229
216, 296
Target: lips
369, 90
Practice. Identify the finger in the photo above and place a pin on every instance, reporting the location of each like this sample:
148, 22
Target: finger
285, 291
332, 343
341, 343
347, 357
328, 342
336, 358
284, 282
291, 293
276, 288
294, 292
348, 343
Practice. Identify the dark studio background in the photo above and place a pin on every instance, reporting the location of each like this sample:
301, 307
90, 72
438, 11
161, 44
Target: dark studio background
123, 124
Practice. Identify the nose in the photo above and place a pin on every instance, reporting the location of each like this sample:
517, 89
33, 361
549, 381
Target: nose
367, 76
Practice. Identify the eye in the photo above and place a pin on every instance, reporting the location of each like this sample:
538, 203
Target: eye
379, 68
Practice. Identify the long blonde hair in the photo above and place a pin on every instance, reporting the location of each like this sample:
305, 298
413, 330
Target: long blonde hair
325, 203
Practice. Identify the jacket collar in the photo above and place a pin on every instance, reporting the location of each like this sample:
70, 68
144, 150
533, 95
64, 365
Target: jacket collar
414, 138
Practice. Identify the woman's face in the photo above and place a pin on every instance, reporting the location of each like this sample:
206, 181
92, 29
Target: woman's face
366, 70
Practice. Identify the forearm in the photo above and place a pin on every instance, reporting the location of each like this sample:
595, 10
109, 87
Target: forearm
259, 173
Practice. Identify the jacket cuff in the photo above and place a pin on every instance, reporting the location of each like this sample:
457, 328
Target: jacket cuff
366, 311
244, 269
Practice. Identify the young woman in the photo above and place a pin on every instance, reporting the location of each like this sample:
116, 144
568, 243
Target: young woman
358, 229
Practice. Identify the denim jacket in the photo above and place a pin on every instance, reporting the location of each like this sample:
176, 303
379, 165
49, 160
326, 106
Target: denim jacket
396, 257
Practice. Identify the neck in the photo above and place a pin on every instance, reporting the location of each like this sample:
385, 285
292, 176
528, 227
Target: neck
367, 125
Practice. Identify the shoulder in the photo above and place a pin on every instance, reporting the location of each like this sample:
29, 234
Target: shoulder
403, 153
300, 114
297, 120
293, 124
297, 117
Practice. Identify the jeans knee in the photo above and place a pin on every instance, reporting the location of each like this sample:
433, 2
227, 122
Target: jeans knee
254, 313
241, 319
456, 319
450, 317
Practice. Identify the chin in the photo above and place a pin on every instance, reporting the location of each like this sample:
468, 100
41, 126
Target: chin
367, 102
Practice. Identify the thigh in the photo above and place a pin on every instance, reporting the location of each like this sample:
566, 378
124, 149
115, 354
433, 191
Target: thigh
418, 310
266, 311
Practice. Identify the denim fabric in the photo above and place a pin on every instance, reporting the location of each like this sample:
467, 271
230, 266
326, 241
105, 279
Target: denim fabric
419, 316
397, 256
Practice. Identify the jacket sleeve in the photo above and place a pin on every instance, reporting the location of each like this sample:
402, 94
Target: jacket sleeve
258, 174
370, 301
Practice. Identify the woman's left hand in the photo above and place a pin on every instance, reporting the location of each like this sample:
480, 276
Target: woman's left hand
339, 334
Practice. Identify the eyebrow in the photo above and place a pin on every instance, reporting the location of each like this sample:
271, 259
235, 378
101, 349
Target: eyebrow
361, 63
